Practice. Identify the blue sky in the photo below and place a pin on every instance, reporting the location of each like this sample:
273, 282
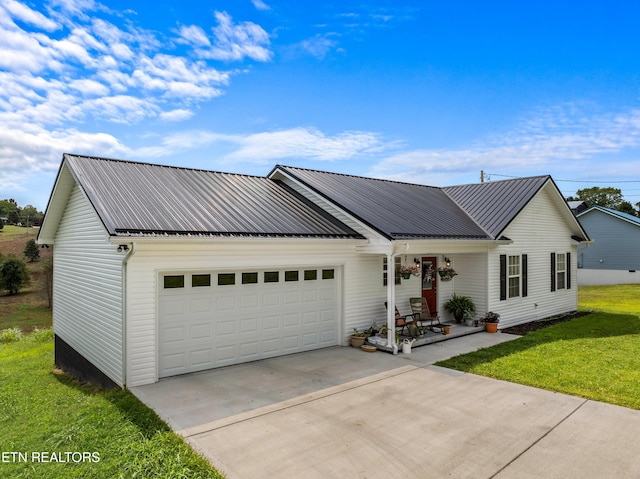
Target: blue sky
426, 92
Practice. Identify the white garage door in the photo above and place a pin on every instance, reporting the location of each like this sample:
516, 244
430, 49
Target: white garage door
212, 319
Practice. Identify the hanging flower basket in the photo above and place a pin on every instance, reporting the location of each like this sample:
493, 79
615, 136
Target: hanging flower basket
446, 274
407, 271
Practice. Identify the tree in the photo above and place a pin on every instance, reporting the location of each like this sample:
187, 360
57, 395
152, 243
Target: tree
628, 208
13, 275
31, 250
606, 197
47, 279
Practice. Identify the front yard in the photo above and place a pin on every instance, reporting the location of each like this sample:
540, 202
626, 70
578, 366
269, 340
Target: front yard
594, 356
54, 427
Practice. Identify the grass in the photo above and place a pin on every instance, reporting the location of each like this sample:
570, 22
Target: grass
10, 230
594, 356
43, 410
26, 316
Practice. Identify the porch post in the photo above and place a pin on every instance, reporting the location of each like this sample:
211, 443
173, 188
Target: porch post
391, 303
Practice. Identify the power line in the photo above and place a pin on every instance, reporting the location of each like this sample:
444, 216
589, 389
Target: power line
489, 175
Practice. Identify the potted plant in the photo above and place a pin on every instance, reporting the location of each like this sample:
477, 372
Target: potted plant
457, 305
468, 317
446, 273
491, 321
407, 271
358, 338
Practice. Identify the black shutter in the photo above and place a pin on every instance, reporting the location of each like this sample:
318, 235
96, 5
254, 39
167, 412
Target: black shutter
503, 277
524, 275
553, 272
568, 270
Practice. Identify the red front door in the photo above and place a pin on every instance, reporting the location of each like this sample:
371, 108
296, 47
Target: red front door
429, 282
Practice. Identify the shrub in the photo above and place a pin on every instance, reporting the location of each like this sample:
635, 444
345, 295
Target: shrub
10, 335
31, 250
13, 275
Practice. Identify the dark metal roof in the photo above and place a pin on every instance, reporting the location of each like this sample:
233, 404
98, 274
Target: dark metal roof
493, 205
141, 199
396, 210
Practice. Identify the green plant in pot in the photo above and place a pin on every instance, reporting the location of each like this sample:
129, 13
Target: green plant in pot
458, 305
358, 337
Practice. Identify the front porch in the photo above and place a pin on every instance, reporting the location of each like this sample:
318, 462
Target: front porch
430, 337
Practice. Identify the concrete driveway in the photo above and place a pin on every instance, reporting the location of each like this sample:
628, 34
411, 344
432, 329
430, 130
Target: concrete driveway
340, 412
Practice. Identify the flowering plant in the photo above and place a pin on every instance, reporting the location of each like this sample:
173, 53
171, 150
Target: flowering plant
446, 272
414, 270
491, 317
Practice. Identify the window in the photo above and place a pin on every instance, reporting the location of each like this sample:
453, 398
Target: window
200, 280
249, 278
271, 276
328, 274
514, 276
174, 281
310, 274
561, 270
397, 261
226, 279
291, 275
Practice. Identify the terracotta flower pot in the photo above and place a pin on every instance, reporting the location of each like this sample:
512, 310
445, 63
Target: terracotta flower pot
357, 341
491, 327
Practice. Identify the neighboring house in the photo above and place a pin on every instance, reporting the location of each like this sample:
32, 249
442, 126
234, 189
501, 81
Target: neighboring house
577, 206
614, 256
161, 271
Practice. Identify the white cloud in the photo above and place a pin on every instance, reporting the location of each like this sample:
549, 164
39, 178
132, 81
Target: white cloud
260, 5
304, 143
556, 138
194, 35
237, 41
319, 45
69, 62
176, 115
24, 13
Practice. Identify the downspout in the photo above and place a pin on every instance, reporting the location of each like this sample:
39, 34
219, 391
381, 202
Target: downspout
391, 298
125, 260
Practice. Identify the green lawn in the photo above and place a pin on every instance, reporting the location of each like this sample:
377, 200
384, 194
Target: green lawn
595, 356
45, 415
10, 230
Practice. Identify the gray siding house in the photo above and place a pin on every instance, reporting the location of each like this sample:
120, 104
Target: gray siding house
160, 271
614, 255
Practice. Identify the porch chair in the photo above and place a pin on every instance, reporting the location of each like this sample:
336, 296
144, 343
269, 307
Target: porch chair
423, 314
402, 322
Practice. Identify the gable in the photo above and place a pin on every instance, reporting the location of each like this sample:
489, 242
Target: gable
394, 209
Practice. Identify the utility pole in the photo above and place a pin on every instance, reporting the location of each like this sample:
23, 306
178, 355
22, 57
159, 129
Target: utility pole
481, 176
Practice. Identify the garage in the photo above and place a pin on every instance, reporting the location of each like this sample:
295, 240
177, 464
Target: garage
209, 319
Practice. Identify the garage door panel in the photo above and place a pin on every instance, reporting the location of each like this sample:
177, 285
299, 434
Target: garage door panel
201, 332
291, 298
249, 325
270, 322
225, 303
219, 325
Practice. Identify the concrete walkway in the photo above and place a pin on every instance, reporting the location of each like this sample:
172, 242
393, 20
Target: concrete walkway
340, 412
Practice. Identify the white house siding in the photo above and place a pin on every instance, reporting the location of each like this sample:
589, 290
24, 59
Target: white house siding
87, 309
150, 259
471, 281
537, 232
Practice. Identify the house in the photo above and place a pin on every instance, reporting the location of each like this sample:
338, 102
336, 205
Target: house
614, 256
160, 271
577, 206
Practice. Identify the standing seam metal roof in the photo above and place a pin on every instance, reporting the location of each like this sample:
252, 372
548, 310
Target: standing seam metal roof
141, 199
409, 211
